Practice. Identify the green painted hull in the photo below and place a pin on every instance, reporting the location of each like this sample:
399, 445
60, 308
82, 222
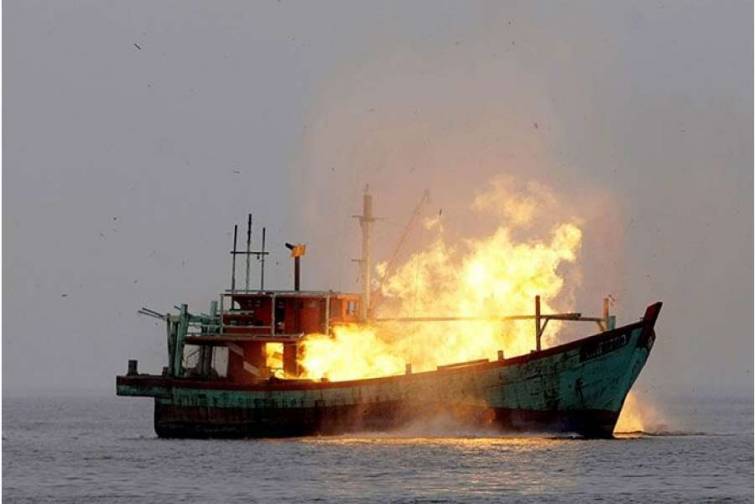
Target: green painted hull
578, 387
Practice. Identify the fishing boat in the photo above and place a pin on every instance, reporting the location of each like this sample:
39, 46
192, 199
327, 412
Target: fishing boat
217, 382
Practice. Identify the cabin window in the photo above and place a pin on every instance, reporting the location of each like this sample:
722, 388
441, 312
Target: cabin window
190, 361
280, 317
352, 307
220, 362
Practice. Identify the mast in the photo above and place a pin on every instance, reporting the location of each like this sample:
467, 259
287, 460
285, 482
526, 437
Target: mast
365, 222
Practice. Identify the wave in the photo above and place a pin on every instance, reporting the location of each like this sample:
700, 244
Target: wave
665, 433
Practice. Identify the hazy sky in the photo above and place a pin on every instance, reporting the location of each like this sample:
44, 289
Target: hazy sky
137, 133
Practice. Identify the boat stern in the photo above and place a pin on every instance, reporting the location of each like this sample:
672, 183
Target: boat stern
141, 385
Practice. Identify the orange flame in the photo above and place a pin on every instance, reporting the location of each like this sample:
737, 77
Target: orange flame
485, 278
639, 415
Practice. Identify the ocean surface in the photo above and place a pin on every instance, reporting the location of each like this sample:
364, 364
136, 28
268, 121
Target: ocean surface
103, 450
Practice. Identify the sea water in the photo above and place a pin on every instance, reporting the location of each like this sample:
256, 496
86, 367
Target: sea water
102, 449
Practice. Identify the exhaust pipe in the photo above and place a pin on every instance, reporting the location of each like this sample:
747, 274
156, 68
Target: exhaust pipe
297, 251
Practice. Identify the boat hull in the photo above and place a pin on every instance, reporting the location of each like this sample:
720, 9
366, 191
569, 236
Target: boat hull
197, 422
577, 388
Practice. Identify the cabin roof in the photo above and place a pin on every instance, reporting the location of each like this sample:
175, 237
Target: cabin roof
289, 293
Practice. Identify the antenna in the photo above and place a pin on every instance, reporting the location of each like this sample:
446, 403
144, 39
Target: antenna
538, 327
233, 256
261, 257
248, 249
259, 254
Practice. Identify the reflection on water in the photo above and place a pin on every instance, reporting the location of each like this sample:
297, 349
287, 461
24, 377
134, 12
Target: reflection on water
463, 442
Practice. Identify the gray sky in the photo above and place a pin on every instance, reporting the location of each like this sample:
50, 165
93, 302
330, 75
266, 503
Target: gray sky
125, 167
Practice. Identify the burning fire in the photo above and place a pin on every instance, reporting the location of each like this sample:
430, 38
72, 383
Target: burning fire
638, 415
486, 278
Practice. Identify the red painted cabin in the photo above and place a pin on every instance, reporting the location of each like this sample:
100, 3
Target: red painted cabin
251, 320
